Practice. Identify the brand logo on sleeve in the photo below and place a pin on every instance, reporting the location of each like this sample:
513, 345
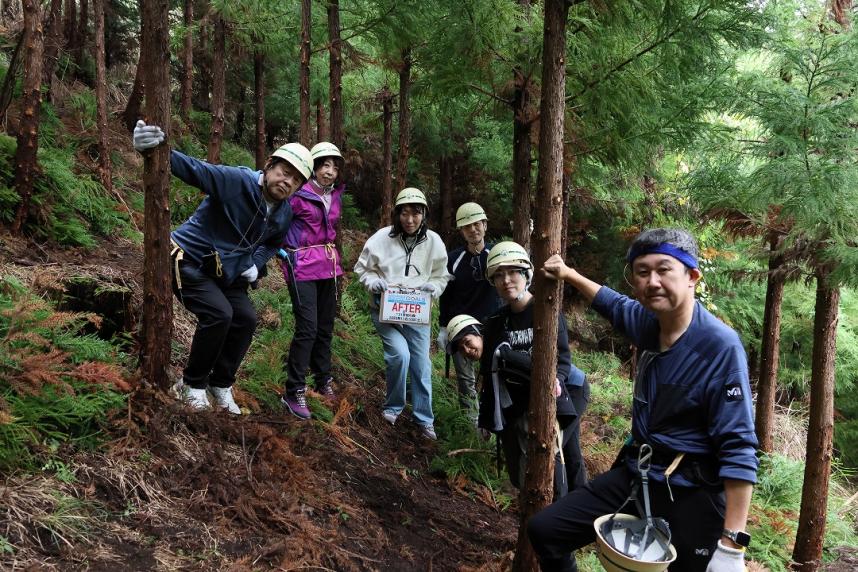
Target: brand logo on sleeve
734, 392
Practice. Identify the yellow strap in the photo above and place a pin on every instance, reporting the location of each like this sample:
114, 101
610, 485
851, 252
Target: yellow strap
672, 467
330, 253
177, 254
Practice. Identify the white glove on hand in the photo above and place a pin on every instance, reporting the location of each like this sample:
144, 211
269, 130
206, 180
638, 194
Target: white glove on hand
727, 559
558, 391
431, 289
442, 338
376, 285
147, 136
251, 274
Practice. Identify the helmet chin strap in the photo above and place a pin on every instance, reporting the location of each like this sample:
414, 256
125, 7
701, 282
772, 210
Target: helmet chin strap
527, 282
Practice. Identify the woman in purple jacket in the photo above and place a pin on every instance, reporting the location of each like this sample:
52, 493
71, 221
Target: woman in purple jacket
312, 270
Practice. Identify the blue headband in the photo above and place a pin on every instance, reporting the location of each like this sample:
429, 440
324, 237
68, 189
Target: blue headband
663, 248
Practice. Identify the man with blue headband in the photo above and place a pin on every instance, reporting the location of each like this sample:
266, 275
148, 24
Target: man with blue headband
692, 405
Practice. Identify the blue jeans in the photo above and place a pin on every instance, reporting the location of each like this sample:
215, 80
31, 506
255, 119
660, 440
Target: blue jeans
406, 351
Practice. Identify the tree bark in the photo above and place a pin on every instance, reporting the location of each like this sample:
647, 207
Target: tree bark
770, 346
387, 157
840, 10
70, 23
26, 155
536, 492
53, 39
82, 32
11, 74
135, 99
187, 63
404, 118
104, 167
304, 76
521, 157
807, 553
336, 75
445, 190
259, 93
218, 90
321, 126
157, 292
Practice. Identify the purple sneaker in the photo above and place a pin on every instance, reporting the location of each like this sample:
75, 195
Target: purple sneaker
296, 404
326, 389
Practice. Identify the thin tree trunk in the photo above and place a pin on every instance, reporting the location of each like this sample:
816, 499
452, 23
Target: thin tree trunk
157, 293
321, 126
770, 346
521, 157
807, 553
218, 90
187, 63
11, 74
840, 10
82, 34
241, 112
53, 39
404, 118
445, 190
259, 92
104, 168
304, 75
387, 157
135, 99
336, 75
26, 159
538, 478
70, 23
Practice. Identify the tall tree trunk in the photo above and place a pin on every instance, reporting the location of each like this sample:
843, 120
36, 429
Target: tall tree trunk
11, 74
770, 346
53, 39
241, 112
840, 10
336, 75
387, 157
82, 36
445, 190
218, 89
404, 118
538, 479
187, 63
259, 93
203, 63
157, 292
104, 169
135, 99
70, 23
26, 160
521, 157
304, 76
321, 126
807, 553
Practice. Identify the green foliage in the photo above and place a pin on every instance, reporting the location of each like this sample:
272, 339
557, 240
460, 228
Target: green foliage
83, 105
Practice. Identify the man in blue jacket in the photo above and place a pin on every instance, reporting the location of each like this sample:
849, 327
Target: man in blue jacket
692, 406
221, 250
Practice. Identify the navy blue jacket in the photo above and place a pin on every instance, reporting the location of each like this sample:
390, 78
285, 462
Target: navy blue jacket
694, 397
469, 292
233, 218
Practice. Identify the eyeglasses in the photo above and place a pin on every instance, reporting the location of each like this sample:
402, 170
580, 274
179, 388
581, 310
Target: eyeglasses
501, 275
476, 269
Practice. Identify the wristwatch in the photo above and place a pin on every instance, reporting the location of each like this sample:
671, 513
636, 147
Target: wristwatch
740, 537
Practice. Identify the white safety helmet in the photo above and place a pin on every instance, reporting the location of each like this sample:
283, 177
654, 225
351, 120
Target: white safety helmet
296, 155
410, 196
626, 543
458, 327
325, 149
469, 213
508, 254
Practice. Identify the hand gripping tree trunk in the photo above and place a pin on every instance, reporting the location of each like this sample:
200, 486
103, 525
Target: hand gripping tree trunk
218, 89
104, 167
807, 554
157, 294
304, 75
338, 137
26, 159
536, 492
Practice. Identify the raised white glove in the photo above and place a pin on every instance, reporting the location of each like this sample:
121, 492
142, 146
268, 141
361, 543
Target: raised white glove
727, 559
376, 285
430, 288
147, 136
558, 391
251, 274
442, 338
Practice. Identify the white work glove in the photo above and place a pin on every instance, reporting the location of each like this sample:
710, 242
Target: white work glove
376, 285
429, 288
147, 136
251, 274
558, 391
727, 559
442, 338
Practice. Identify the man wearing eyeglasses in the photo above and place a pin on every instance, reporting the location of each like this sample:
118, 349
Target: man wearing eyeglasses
468, 293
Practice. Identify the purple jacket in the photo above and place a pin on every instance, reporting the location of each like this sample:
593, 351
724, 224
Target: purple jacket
313, 228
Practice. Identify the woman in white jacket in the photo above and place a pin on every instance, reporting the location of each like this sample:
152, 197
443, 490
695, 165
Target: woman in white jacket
406, 254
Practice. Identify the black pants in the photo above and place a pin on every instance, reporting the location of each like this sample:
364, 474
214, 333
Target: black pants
569, 474
226, 320
314, 328
696, 518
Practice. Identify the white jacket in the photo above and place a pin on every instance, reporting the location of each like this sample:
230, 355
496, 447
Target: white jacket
385, 257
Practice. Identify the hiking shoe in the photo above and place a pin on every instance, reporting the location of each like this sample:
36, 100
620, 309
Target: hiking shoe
296, 404
194, 398
428, 431
223, 399
390, 417
326, 388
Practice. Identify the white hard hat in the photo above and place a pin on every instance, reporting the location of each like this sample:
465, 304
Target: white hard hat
296, 155
626, 543
411, 196
325, 149
469, 213
458, 327
507, 254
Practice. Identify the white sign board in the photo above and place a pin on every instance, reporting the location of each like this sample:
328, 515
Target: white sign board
405, 306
